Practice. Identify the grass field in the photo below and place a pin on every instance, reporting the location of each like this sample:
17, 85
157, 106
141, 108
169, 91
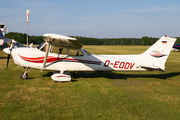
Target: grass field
92, 95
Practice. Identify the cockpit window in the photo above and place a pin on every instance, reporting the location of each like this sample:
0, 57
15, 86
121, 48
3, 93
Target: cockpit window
87, 53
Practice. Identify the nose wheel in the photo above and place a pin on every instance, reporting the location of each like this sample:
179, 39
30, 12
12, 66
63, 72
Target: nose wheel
24, 75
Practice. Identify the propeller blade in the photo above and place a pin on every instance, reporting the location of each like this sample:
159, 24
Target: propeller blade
8, 60
9, 55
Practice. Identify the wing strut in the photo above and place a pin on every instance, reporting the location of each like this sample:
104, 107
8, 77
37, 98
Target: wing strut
46, 55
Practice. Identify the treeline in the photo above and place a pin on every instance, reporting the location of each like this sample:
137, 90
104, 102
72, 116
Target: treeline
116, 41
21, 38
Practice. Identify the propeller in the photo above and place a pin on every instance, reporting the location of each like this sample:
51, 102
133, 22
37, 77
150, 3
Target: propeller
8, 60
9, 55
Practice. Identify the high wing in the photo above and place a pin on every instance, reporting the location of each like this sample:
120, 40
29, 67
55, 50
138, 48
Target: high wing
62, 41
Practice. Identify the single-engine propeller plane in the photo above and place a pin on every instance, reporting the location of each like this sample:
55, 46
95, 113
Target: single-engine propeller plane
62, 54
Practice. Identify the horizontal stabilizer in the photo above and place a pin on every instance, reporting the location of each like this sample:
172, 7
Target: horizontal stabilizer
150, 68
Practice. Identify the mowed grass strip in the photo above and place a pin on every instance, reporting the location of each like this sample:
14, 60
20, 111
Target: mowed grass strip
92, 95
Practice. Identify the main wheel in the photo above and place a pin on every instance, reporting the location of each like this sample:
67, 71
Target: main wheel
24, 76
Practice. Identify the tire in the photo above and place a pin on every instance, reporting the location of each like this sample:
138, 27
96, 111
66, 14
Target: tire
24, 76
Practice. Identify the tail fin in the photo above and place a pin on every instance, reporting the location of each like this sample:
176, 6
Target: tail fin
156, 56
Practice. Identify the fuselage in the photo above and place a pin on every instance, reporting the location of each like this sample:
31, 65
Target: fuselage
33, 58
62, 54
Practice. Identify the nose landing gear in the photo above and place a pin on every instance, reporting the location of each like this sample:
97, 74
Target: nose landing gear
24, 75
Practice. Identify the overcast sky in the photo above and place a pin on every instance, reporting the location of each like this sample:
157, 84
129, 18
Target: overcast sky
93, 18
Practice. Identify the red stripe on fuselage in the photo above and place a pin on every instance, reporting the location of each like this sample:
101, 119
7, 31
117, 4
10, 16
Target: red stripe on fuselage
38, 59
53, 59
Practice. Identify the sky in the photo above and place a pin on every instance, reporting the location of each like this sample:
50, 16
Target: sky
93, 18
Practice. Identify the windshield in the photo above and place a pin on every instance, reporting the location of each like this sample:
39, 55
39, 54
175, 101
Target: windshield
39, 46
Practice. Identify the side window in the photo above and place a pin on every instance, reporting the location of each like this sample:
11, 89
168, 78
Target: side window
58, 50
63, 51
87, 53
73, 52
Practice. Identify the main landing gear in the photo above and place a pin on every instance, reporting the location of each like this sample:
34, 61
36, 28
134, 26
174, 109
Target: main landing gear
61, 76
24, 75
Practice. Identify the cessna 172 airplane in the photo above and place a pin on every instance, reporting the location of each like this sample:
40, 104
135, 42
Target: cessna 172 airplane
62, 54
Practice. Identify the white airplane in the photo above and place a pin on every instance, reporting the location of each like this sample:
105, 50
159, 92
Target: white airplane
62, 54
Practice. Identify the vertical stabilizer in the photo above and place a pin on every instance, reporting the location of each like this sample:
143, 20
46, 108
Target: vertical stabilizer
156, 56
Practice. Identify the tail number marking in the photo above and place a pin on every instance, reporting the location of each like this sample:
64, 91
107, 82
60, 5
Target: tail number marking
118, 64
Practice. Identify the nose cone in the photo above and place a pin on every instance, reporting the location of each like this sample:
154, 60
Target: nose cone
6, 50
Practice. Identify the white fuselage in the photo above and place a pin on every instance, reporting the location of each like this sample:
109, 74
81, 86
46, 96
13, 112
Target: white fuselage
33, 58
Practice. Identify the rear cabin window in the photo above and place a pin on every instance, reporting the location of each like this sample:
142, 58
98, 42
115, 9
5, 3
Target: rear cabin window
87, 53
